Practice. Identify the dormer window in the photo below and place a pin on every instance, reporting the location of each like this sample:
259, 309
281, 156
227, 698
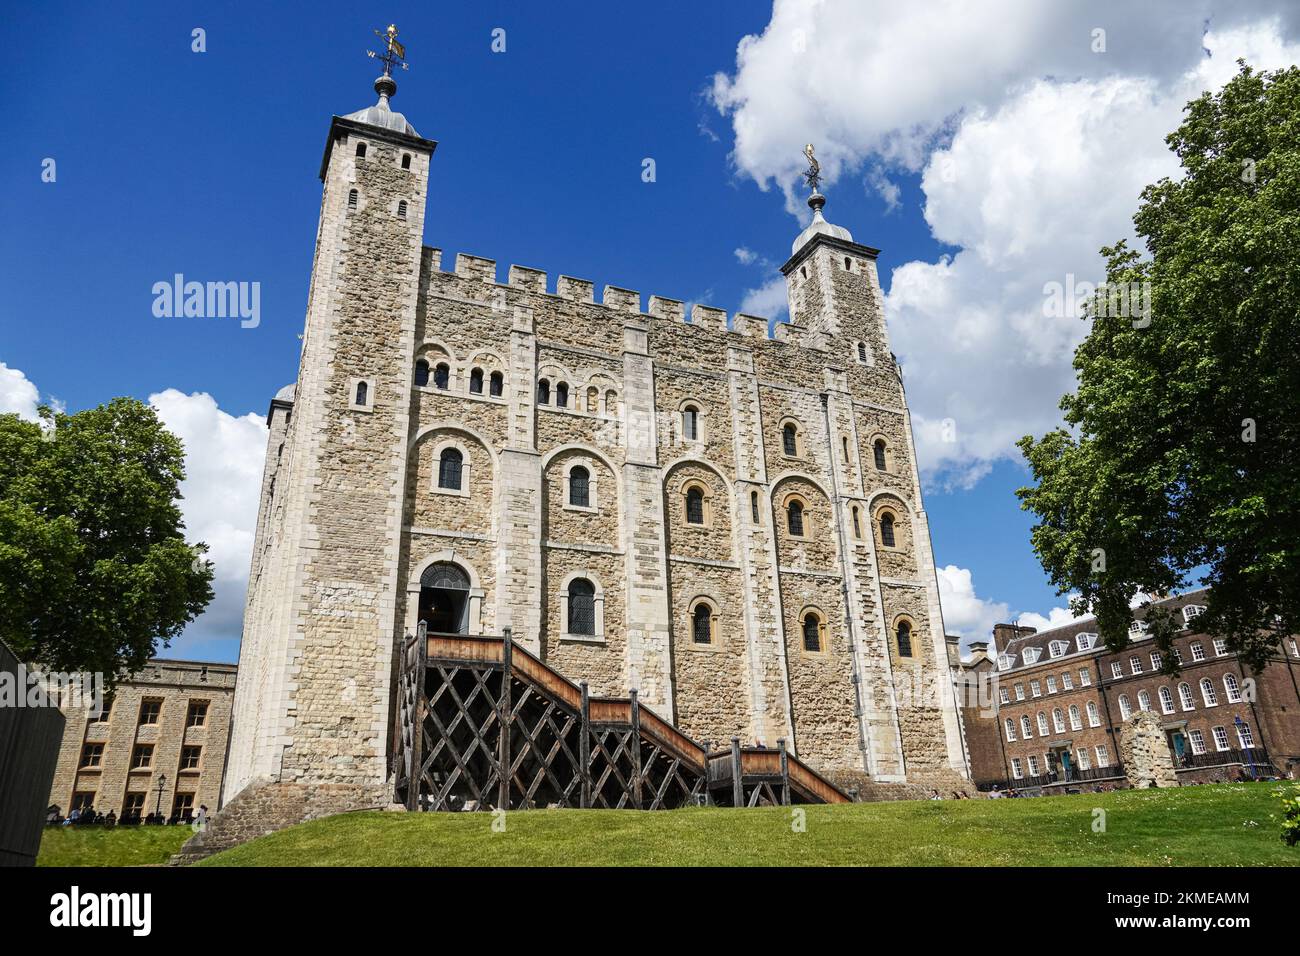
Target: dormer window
1086, 640
1030, 654
1058, 648
1005, 661
1191, 611
1137, 627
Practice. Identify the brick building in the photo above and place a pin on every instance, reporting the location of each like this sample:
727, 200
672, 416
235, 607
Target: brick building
1057, 702
167, 725
730, 523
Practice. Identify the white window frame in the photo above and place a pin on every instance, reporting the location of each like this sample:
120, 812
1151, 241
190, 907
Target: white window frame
1144, 700
1220, 647
1067, 682
1198, 651
1033, 765
1085, 677
1085, 641
1135, 664
1094, 714
1244, 736
1208, 693
1186, 699
1026, 730
1058, 720
1221, 739
1035, 688
1058, 648
1116, 669
1004, 695
1051, 683
1076, 719
1017, 769
1125, 708
1020, 692
1232, 687
1166, 700
1083, 758
1010, 727
593, 486
1197, 740
599, 601
1103, 755
1042, 724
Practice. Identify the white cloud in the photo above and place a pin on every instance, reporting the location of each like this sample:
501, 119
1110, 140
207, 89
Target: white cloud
964, 612
1032, 151
768, 301
17, 393
1056, 617
971, 616
746, 256
224, 456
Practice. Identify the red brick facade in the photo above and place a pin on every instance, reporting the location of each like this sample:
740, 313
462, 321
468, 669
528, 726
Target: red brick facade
1059, 700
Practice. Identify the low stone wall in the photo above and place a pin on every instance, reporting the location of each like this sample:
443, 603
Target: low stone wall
263, 808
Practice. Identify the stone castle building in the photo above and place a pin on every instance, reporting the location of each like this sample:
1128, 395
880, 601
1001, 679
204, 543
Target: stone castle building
156, 745
730, 523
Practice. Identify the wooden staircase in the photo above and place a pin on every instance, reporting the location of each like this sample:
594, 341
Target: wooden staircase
484, 724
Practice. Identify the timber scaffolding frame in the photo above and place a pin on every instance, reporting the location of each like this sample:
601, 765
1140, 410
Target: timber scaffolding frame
470, 705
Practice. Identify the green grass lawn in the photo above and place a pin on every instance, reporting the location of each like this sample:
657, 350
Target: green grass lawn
1226, 825
115, 846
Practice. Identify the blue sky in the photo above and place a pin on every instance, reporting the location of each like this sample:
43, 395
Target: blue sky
206, 164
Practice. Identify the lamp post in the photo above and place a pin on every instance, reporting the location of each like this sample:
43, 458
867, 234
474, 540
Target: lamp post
162, 782
1250, 751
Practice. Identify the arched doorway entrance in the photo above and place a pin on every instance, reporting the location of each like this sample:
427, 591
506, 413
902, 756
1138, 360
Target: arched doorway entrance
444, 598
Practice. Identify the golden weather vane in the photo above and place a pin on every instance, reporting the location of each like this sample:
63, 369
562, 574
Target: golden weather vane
814, 173
394, 53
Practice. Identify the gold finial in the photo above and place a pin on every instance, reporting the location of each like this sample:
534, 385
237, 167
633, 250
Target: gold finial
394, 52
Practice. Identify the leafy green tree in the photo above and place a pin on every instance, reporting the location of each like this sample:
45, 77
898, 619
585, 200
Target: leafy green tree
94, 568
1182, 460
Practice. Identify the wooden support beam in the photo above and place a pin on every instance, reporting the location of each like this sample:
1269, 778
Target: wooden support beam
416, 776
708, 794
636, 751
785, 773
584, 746
503, 720
737, 785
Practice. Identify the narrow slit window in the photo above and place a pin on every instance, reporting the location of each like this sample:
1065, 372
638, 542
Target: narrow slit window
476, 382
580, 487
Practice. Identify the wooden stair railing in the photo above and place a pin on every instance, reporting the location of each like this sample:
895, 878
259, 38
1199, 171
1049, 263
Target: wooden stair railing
456, 693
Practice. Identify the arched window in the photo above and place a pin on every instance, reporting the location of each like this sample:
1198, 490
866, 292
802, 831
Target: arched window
904, 639
862, 351
593, 400
1075, 722
580, 487
857, 523
1011, 729
352, 199
406, 160
848, 263
879, 450
1043, 729
361, 150
476, 381
695, 505
1125, 708
790, 440
1094, 718
421, 372
1026, 729
1185, 697
702, 624
1232, 688
690, 423
611, 402
1144, 700
401, 209
812, 632
449, 469
543, 392
562, 395
794, 513
496, 384
887, 529
442, 376
582, 607
1058, 720
1208, 693
1166, 700
753, 507
363, 393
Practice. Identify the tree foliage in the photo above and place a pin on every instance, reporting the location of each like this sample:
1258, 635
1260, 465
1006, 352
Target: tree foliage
94, 569
1181, 464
